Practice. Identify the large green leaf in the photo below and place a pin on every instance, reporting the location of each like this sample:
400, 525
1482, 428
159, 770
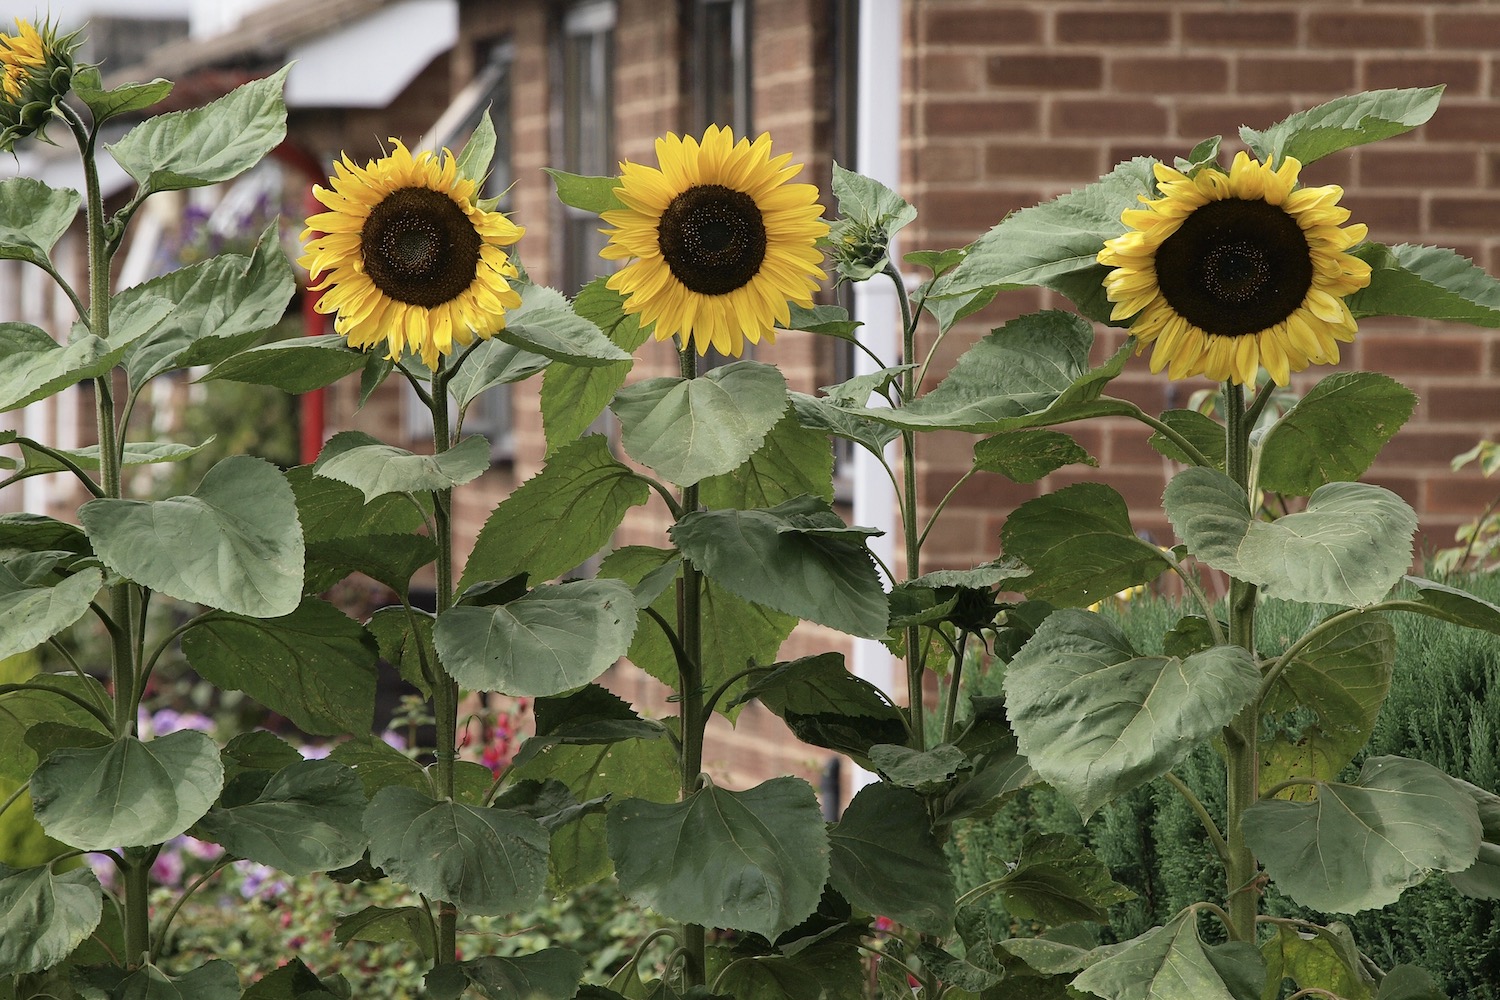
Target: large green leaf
1027, 455
1056, 244
574, 396
733, 632
885, 859
234, 543
489, 364
1319, 961
88, 87
329, 509
127, 793
44, 916
632, 769
1096, 719
754, 860
389, 559
214, 980
33, 614
1331, 691
549, 974
1409, 982
553, 639
206, 145
1203, 432
791, 462
822, 703
589, 716
405, 638
559, 333
43, 461
33, 217
306, 819
1349, 547
292, 981
47, 699
375, 469
592, 194
558, 518
379, 765
689, 429
1173, 963
316, 666
1482, 879
301, 364
1428, 283
1334, 432
488, 861
218, 306
1347, 121
1080, 546
824, 571
1056, 880
1031, 372
818, 414
1450, 604
1356, 847
36, 366
382, 925
829, 970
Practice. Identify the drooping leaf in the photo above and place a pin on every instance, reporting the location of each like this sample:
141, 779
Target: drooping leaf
831, 971
1450, 604
33, 614
219, 141
406, 643
36, 366
234, 543
1334, 432
828, 320
555, 638
298, 365
1200, 430
558, 518
33, 217
825, 705
1409, 982
106, 104
588, 716
791, 462
41, 462
44, 915
1056, 244
389, 559
687, 430
818, 414
754, 860
492, 363
306, 819
1031, 372
549, 974
384, 925
1057, 880
1027, 455
214, 980
1340, 680
329, 509
1359, 846
1482, 879
561, 334
885, 859
1427, 283
632, 769
826, 573
591, 194
1080, 546
732, 631
1173, 963
573, 396
1315, 961
1339, 124
1349, 546
488, 861
1096, 719
376, 469
128, 793
316, 666
926, 771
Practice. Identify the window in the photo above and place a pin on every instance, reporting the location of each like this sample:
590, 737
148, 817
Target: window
587, 128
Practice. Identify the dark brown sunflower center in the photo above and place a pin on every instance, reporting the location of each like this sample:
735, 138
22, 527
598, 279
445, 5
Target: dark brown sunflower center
420, 247
1235, 267
713, 238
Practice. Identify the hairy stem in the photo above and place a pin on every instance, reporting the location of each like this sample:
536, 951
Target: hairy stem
444, 687
694, 710
908, 501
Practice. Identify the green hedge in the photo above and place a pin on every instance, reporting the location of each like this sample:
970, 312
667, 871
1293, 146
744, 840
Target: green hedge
1444, 708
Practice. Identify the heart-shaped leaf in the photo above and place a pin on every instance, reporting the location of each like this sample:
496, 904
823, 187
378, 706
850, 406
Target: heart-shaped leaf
376, 469
885, 859
1173, 963
793, 461
33, 217
305, 820
44, 916
1334, 432
234, 543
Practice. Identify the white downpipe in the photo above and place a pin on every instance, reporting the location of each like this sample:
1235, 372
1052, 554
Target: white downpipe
877, 155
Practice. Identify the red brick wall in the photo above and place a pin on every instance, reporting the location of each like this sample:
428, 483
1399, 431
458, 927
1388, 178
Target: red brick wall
1012, 102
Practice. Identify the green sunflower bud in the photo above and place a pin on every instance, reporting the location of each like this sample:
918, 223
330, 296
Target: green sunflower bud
36, 72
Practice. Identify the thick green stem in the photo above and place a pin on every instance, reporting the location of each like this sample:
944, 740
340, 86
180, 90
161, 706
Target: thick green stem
693, 712
910, 532
444, 688
137, 913
1240, 736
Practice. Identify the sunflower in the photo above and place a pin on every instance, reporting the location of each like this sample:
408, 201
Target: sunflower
720, 241
1228, 273
36, 71
407, 258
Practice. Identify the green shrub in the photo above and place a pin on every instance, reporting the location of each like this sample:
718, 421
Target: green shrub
1443, 708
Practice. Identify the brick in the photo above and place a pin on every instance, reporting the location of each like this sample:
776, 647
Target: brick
1049, 71
1198, 119
1459, 495
1421, 353
955, 72
1053, 161
1239, 29
1422, 167
1295, 74
1460, 76
1470, 213
1097, 117
983, 491
950, 118
1416, 446
1366, 29
968, 213
1475, 402
950, 162
1385, 214
1463, 122
1151, 25
1466, 30
983, 26
1169, 75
